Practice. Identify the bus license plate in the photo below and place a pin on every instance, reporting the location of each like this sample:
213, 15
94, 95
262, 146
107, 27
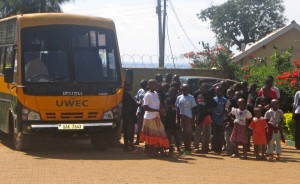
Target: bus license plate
70, 127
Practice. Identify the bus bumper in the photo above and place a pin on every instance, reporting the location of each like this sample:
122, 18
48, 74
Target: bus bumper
35, 127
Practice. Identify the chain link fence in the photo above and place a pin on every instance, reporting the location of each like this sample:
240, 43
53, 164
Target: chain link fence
151, 61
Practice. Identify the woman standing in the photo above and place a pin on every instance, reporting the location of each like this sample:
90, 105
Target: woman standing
296, 115
153, 132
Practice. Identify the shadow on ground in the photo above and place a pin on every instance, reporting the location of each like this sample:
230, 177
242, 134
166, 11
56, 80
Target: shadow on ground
70, 149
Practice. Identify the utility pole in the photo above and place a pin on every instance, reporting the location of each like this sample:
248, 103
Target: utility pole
161, 31
163, 34
158, 11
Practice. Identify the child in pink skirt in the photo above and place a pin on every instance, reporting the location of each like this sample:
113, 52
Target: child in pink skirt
259, 138
239, 133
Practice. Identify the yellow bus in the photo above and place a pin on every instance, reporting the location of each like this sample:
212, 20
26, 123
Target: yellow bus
59, 73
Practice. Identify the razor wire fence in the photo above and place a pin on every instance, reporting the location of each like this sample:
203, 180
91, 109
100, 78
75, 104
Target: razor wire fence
152, 61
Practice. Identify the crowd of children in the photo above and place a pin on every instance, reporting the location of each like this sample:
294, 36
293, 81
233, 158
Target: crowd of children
215, 118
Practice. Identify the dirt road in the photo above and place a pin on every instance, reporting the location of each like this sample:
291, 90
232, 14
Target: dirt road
73, 161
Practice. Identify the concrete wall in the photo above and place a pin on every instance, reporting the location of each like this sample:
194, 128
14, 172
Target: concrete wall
283, 42
149, 73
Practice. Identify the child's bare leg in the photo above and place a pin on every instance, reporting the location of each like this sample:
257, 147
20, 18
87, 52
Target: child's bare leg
263, 152
256, 151
245, 149
235, 150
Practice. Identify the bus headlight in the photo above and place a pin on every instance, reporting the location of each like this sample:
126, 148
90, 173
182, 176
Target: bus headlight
114, 113
30, 115
108, 115
34, 116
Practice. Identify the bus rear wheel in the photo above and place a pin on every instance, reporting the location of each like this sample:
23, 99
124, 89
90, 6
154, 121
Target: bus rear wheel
99, 141
20, 140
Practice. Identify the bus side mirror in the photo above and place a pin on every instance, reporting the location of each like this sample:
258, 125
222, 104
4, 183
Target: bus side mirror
129, 77
8, 75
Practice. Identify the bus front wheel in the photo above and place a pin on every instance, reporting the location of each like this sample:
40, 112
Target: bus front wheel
20, 140
99, 141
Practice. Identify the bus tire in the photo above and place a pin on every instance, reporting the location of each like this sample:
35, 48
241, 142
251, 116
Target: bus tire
99, 141
20, 140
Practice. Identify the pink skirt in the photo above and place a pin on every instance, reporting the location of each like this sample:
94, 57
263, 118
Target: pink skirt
239, 134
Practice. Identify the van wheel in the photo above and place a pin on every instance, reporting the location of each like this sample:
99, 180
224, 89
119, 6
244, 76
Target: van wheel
99, 141
20, 140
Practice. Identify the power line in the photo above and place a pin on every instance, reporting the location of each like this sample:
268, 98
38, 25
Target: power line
178, 37
179, 22
192, 21
170, 43
192, 26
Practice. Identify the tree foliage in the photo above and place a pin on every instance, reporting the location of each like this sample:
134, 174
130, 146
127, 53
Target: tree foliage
215, 57
244, 21
14, 7
278, 65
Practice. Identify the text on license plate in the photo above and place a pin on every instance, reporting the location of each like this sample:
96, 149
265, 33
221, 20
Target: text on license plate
70, 126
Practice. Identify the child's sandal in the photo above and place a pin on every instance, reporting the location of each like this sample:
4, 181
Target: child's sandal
270, 157
234, 156
244, 157
263, 158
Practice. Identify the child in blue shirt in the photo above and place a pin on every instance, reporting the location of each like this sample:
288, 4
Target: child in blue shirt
186, 106
218, 121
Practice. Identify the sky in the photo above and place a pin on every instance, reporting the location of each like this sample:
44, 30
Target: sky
137, 24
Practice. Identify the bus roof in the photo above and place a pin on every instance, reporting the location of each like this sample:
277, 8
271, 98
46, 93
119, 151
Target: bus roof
40, 19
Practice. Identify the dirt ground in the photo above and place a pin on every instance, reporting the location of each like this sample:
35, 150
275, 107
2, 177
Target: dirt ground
74, 161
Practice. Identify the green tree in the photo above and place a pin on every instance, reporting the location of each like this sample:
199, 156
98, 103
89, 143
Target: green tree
215, 57
13, 7
244, 21
282, 60
281, 69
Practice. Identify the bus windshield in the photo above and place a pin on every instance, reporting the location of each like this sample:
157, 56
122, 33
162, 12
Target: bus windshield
66, 53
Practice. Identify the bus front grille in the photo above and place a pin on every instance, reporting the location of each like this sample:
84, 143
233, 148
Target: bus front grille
72, 115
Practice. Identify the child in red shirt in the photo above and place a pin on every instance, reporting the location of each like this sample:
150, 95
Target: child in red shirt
259, 138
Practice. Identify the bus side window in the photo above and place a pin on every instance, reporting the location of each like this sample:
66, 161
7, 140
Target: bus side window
15, 60
8, 59
112, 65
102, 55
2, 58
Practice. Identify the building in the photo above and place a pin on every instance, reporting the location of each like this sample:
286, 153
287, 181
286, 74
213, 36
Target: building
283, 38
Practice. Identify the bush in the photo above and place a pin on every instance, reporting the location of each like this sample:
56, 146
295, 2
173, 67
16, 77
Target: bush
216, 57
289, 126
286, 98
256, 73
281, 69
